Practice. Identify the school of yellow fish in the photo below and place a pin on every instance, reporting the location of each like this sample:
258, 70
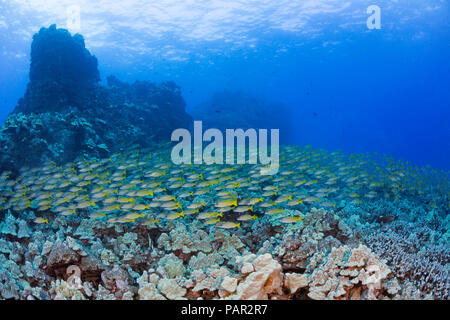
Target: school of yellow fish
143, 186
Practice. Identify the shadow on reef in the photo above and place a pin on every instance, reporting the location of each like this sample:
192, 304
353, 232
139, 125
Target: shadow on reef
65, 113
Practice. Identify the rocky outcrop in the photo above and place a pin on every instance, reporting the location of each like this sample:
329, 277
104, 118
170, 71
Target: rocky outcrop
62, 72
66, 114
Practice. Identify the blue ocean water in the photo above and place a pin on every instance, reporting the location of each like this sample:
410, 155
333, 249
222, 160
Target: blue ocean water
96, 204
345, 86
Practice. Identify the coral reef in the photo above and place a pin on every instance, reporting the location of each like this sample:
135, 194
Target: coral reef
263, 281
346, 273
133, 226
187, 262
156, 244
414, 255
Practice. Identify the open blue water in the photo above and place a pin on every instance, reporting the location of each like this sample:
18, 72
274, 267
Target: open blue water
347, 87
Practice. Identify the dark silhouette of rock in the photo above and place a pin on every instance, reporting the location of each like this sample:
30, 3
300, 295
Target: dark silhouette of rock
66, 114
62, 72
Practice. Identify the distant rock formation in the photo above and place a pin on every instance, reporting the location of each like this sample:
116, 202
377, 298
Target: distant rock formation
62, 72
236, 109
65, 113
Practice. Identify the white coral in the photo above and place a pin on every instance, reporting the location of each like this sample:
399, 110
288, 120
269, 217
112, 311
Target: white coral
346, 273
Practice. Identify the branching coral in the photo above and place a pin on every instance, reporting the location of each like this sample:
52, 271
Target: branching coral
413, 258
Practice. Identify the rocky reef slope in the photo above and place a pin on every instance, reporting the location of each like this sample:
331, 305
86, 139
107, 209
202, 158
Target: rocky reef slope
65, 113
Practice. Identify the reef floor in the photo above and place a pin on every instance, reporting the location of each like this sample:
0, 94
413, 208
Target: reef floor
136, 226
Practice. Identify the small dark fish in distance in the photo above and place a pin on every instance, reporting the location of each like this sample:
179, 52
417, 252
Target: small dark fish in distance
385, 219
